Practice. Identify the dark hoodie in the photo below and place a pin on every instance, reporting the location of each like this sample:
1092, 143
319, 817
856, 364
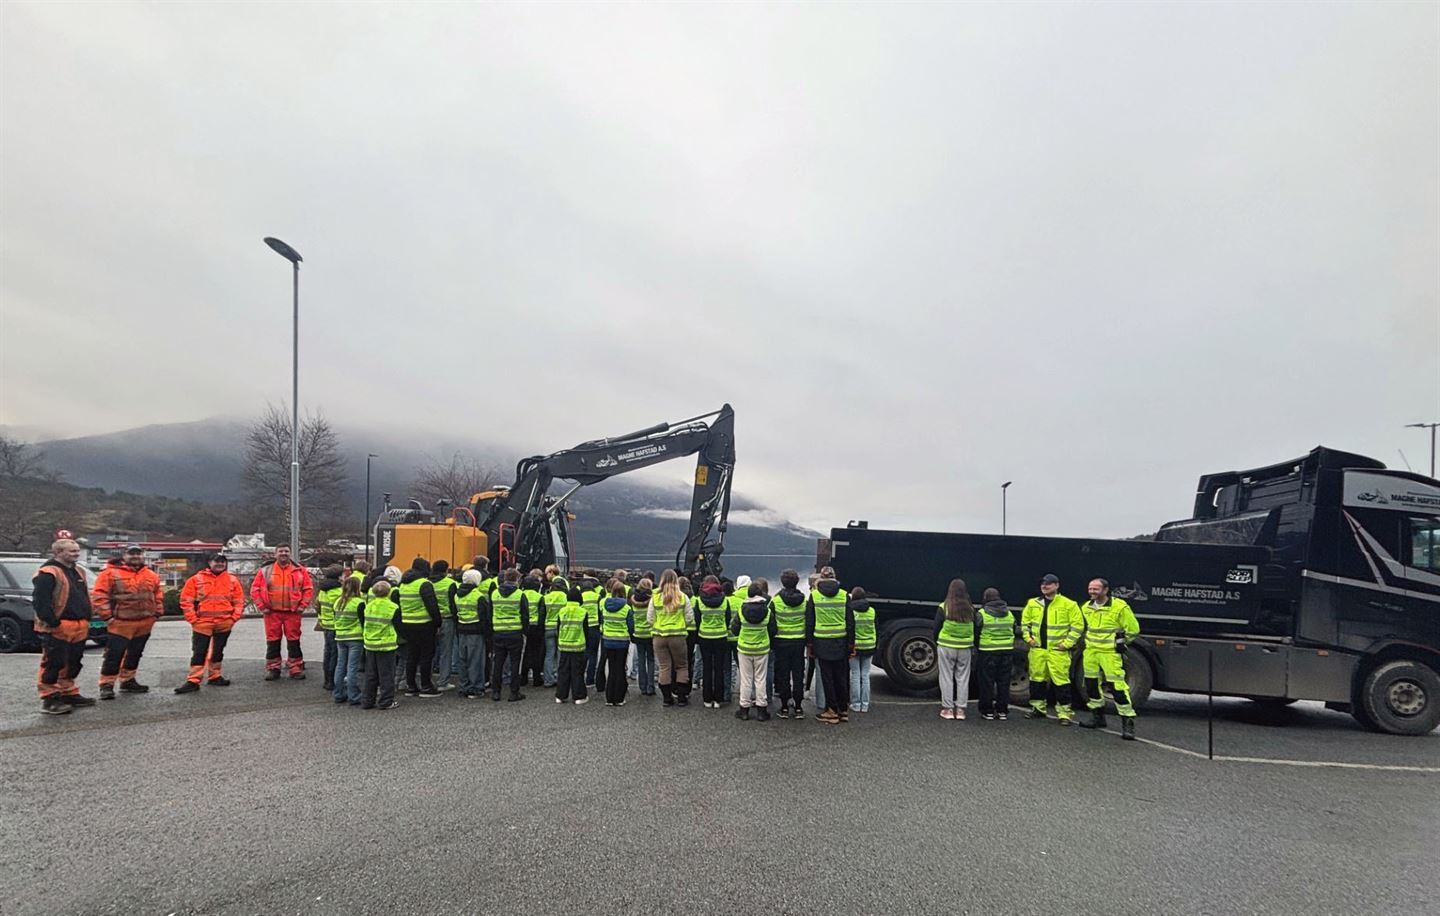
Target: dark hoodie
829, 649
997, 608
469, 629
753, 611
427, 592
712, 598
487, 621
791, 598
326, 583
613, 604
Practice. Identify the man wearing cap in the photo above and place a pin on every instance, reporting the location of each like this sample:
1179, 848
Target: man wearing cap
1051, 624
212, 600
129, 598
282, 591
62, 618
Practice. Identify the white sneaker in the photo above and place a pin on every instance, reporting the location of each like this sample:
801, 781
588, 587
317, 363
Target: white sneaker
582, 701
621, 703
558, 700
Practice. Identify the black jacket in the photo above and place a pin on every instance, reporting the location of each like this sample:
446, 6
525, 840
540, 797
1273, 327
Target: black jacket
77, 605
829, 648
427, 593
487, 616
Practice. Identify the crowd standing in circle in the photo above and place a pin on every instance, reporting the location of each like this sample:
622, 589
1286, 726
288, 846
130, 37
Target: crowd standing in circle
428, 632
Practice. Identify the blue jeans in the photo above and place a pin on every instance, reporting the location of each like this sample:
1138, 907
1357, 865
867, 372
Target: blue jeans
860, 681
552, 657
730, 662
445, 651
472, 662
645, 667
348, 656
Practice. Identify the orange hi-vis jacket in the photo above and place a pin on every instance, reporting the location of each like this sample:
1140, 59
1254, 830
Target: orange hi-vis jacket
279, 588
207, 596
128, 594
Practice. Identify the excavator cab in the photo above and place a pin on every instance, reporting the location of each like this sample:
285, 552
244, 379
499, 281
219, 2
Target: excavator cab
401, 535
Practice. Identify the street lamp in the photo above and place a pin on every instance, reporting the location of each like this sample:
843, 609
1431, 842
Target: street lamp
293, 256
1003, 487
1431, 427
368, 529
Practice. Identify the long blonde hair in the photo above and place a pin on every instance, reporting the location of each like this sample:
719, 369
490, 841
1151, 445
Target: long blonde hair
671, 597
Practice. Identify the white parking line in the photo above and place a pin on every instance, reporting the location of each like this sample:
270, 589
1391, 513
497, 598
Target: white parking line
1278, 761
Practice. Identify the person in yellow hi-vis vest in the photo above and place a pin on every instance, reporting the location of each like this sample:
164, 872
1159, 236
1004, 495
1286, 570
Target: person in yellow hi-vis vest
1110, 627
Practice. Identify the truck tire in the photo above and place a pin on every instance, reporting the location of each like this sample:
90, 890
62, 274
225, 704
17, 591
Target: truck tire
1020, 680
1402, 698
1138, 675
910, 659
12, 635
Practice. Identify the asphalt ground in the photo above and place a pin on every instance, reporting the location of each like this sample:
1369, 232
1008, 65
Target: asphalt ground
264, 797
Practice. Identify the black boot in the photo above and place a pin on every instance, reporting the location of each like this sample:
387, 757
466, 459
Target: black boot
1127, 728
743, 712
133, 686
762, 713
682, 694
665, 691
107, 691
273, 674
187, 687
1097, 719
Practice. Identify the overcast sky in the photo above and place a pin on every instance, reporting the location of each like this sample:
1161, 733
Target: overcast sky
922, 249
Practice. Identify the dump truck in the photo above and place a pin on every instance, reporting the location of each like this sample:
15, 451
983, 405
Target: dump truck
1312, 579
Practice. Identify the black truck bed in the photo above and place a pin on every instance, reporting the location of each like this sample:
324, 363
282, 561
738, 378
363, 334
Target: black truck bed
1174, 588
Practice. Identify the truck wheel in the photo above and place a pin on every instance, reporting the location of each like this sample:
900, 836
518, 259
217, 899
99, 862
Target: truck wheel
1139, 677
1020, 682
1402, 698
12, 635
910, 660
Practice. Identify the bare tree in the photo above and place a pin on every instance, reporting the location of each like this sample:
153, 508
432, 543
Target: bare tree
454, 481
26, 521
266, 474
19, 459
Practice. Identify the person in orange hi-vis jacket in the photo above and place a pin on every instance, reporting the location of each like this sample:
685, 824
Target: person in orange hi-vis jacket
282, 591
128, 596
212, 599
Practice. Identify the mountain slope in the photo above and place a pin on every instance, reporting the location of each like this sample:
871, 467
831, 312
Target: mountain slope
617, 519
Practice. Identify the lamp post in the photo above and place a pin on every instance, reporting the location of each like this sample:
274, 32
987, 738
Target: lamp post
293, 256
1431, 427
368, 529
1003, 520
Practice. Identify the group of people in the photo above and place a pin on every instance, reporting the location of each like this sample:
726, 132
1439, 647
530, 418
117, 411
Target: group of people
422, 628
498, 633
1052, 627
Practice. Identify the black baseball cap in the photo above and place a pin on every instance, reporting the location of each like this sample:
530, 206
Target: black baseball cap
1049, 579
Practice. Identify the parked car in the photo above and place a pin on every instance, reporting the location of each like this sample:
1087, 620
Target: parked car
17, 617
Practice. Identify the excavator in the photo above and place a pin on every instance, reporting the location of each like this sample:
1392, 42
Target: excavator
523, 526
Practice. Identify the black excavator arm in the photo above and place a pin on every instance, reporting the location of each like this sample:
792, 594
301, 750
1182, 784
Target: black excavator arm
518, 523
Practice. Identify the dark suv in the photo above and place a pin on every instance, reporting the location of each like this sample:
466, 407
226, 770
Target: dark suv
17, 617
